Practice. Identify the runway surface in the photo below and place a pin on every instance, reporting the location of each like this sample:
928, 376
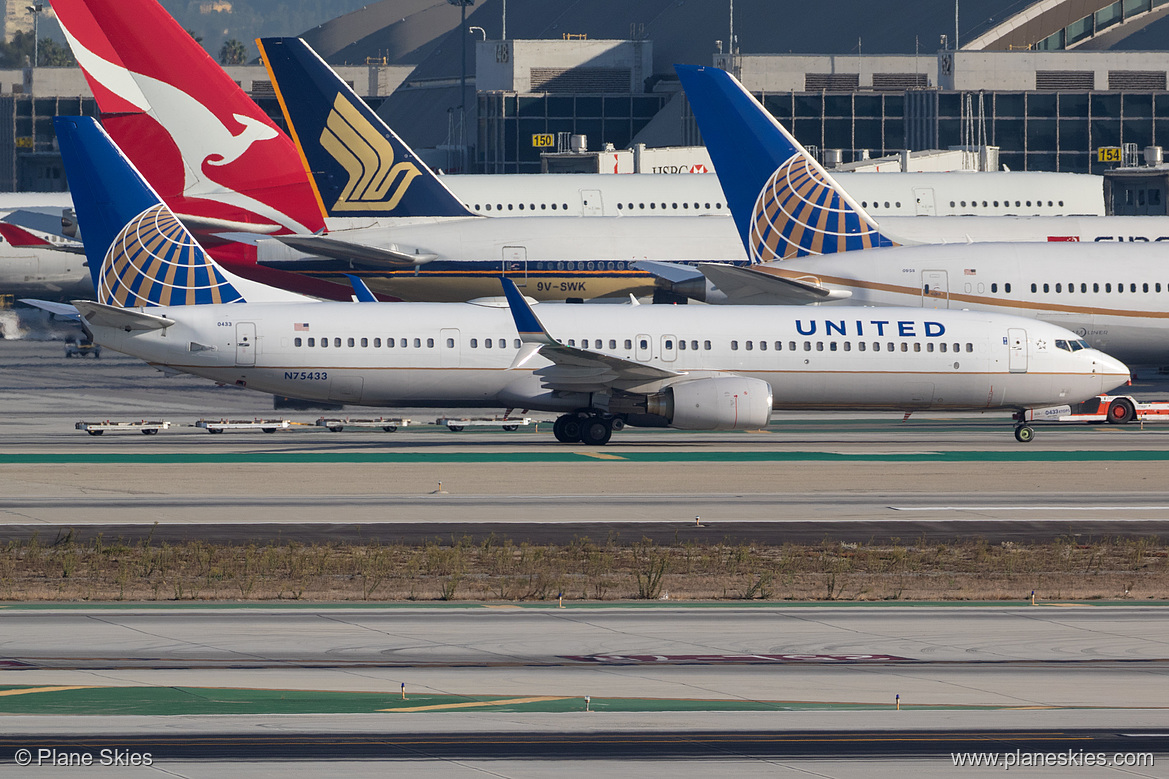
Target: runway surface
745, 685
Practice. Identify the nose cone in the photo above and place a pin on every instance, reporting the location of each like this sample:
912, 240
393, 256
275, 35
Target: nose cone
1112, 371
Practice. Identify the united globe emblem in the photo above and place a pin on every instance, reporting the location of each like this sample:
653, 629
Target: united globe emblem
154, 261
798, 213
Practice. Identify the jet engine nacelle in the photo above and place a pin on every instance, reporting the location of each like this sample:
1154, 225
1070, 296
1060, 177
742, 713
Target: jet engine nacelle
722, 403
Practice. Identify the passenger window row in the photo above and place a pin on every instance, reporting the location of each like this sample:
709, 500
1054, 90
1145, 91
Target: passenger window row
511, 206
488, 343
653, 206
1006, 203
401, 343
582, 265
861, 346
564, 206
1083, 288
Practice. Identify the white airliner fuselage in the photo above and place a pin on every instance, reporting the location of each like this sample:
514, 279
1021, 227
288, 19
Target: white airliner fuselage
555, 258
953, 193
452, 355
1114, 297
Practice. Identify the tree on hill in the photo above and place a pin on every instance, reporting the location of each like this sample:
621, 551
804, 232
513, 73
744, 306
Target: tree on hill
233, 52
19, 52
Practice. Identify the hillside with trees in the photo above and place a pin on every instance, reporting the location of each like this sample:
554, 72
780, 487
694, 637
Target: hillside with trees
218, 22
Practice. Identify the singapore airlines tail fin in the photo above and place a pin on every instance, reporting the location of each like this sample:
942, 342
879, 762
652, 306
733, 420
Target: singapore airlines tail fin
784, 204
359, 165
139, 253
187, 125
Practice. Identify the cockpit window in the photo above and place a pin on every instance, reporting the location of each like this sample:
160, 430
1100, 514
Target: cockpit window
1062, 344
1080, 344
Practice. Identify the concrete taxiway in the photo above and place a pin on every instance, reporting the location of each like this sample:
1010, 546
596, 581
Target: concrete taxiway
809, 475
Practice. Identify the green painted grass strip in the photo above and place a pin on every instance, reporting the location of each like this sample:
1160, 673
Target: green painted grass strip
172, 701
261, 458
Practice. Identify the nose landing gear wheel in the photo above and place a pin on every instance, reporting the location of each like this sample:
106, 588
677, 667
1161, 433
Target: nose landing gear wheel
1024, 434
595, 431
567, 429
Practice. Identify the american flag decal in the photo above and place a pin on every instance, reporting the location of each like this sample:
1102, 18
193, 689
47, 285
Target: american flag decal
970, 272
300, 327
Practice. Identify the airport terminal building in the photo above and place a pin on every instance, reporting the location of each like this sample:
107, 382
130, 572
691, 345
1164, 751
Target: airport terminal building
1049, 87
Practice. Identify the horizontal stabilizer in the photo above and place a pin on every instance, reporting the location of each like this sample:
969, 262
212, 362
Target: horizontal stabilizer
101, 315
205, 225
53, 307
760, 286
324, 246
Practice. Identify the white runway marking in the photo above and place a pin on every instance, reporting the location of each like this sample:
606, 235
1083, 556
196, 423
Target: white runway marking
1029, 508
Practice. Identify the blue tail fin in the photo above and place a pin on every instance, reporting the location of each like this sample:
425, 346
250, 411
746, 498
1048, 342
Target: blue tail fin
784, 204
359, 166
139, 253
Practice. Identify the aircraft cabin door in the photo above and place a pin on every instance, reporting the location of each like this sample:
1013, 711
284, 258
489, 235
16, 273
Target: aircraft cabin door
245, 343
1017, 343
935, 289
644, 350
591, 203
448, 348
925, 205
515, 264
669, 348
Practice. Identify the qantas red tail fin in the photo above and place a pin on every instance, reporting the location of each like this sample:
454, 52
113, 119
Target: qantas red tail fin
205, 147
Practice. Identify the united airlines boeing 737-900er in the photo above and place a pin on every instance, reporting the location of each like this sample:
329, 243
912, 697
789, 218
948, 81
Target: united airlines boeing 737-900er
1114, 296
164, 300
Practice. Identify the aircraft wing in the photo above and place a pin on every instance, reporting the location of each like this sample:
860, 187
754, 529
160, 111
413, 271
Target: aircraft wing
360, 254
673, 272
126, 319
57, 309
573, 369
755, 284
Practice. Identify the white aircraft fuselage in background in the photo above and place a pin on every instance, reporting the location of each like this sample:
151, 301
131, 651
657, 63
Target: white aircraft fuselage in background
554, 258
1115, 297
951, 193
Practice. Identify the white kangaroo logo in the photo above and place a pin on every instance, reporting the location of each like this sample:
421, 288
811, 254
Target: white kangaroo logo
197, 132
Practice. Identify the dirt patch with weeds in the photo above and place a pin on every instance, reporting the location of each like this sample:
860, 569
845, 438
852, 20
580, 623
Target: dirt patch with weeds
500, 570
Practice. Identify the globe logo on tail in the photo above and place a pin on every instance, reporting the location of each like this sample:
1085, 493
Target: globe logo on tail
154, 261
799, 212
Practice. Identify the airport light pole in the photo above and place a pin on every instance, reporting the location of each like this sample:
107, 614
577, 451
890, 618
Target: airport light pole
35, 9
462, 4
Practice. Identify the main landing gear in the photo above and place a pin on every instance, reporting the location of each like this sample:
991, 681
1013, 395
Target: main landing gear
586, 427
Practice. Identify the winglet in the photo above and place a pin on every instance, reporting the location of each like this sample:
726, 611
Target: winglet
526, 322
784, 203
360, 290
